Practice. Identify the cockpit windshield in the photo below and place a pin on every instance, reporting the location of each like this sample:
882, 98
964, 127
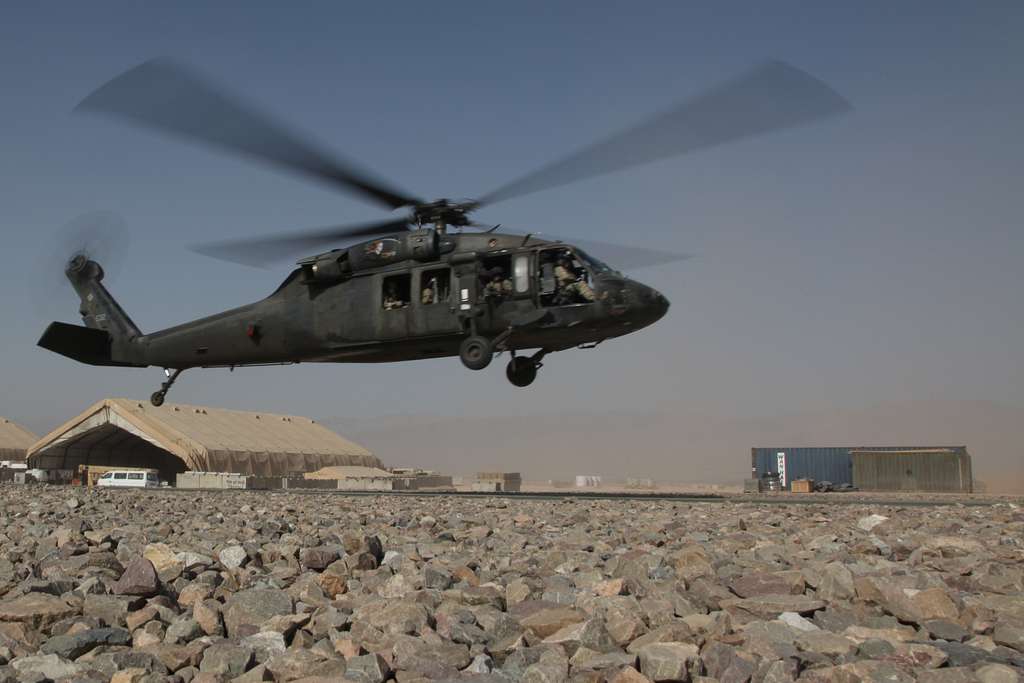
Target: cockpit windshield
596, 265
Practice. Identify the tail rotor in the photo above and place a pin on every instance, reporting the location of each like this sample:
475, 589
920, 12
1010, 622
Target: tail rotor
100, 236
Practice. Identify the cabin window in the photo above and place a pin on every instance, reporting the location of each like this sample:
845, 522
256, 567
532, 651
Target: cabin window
395, 292
495, 277
107, 475
521, 273
564, 279
135, 475
120, 475
435, 286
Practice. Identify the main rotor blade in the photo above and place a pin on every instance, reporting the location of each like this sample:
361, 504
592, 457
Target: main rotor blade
263, 251
166, 96
771, 97
622, 257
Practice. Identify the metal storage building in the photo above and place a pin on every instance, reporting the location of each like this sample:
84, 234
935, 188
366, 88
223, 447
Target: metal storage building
938, 470
175, 438
822, 463
14, 440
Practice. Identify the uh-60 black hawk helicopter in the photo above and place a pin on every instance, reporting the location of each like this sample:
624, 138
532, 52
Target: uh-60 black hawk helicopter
422, 286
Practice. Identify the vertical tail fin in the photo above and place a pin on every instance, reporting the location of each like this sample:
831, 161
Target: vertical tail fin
109, 334
98, 308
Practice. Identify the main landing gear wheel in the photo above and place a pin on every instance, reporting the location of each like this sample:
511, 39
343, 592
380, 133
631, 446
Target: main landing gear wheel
521, 371
476, 352
157, 399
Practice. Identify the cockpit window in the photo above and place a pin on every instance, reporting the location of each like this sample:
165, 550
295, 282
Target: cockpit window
595, 264
564, 278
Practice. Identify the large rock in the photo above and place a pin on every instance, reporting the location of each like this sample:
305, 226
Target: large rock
586, 659
226, 659
1009, 636
182, 630
997, 673
590, 634
825, 643
176, 657
727, 663
139, 578
917, 655
546, 620
552, 667
76, 645
859, 672
401, 617
50, 667
692, 562
954, 546
430, 660
767, 583
370, 668
37, 610
869, 522
246, 610
836, 583
265, 645
318, 558
112, 610
232, 557
207, 614
165, 561
668, 661
296, 664
906, 604
771, 606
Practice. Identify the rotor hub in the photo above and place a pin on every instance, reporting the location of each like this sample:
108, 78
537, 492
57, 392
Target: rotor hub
77, 262
443, 213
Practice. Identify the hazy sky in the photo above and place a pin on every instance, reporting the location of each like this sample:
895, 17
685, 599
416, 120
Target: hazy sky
873, 256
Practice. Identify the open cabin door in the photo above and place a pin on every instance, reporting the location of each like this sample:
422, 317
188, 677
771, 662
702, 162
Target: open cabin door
435, 302
394, 301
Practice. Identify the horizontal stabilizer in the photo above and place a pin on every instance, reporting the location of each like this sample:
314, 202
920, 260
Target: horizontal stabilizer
84, 344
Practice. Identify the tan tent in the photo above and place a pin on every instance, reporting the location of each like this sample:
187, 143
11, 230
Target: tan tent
14, 440
175, 438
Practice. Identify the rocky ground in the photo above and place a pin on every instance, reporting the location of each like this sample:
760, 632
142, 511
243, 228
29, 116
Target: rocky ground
253, 586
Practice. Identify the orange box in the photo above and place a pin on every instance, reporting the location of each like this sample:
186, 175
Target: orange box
802, 485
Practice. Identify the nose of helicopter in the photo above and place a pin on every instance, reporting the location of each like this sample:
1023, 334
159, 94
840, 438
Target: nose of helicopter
653, 304
643, 305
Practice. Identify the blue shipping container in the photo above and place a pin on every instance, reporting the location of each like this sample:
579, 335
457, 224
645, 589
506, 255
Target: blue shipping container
828, 463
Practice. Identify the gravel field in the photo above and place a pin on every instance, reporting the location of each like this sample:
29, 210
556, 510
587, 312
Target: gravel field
256, 586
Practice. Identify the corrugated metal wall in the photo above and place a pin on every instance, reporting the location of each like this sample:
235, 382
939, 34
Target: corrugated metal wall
918, 471
828, 463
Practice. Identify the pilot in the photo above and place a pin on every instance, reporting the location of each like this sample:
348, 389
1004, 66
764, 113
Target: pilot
570, 285
499, 286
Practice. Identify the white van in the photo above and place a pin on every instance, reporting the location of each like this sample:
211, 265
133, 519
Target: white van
130, 478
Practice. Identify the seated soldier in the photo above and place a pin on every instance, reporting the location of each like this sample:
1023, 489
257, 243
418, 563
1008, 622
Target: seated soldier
571, 287
499, 285
391, 300
427, 295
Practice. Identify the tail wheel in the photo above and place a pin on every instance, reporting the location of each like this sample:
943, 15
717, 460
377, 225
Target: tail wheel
476, 352
521, 371
157, 399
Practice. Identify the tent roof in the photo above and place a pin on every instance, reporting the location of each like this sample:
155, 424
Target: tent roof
14, 440
209, 438
350, 472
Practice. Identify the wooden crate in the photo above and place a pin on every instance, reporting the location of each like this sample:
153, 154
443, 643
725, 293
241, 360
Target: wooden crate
803, 485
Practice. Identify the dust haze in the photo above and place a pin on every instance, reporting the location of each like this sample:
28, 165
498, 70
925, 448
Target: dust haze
680, 444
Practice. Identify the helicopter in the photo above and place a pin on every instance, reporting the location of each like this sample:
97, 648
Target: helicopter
430, 282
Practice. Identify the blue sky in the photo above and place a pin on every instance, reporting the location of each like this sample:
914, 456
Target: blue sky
873, 255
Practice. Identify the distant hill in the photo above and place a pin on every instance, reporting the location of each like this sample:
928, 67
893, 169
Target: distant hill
679, 444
